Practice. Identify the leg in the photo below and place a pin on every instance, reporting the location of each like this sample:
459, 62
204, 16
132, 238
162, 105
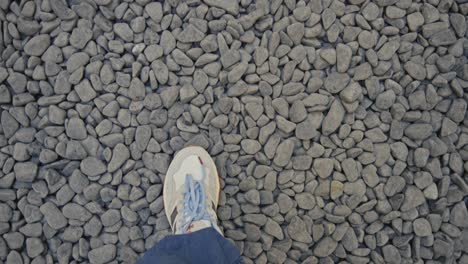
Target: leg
204, 246
191, 193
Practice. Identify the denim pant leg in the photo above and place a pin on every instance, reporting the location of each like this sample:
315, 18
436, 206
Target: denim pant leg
203, 246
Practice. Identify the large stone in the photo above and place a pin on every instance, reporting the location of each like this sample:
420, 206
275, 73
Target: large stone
422, 227
297, 230
123, 31
37, 45
190, 34
53, 216
274, 229
251, 146
76, 212
323, 167
413, 198
120, 154
103, 254
91, 166
333, 119
231, 7
284, 153
325, 247
391, 254
305, 200
75, 129
459, 215
415, 70
110, 217
25, 171
336, 82
155, 11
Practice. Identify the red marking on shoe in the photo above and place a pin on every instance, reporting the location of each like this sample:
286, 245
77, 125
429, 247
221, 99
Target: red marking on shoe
201, 161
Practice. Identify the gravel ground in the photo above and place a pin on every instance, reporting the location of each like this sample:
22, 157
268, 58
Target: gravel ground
339, 128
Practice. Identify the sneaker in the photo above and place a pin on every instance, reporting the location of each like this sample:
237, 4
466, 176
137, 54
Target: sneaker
191, 191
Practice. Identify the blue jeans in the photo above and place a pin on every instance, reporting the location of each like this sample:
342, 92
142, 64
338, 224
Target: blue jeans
203, 246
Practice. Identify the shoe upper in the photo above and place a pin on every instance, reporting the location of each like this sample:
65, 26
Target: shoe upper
191, 202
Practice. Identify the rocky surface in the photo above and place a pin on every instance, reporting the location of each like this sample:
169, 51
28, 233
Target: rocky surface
339, 128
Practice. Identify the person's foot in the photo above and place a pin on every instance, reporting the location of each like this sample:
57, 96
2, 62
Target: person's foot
191, 191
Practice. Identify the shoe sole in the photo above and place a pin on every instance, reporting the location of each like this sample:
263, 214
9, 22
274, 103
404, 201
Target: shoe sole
176, 164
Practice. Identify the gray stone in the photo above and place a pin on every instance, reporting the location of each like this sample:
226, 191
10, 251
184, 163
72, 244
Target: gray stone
457, 110
232, 7
297, 230
76, 212
336, 82
297, 112
34, 247
14, 240
137, 90
343, 57
153, 52
370, 11
276, 256
253, 197
285, 203
274, 229
387, 51
442, 38
415, 20
5, 95
190, 34
5, 213
85, 91
415, 70
333, 119
306, 130
120, 155
124, 31
422, 227
181, 58
25, 171
110, 217
62, 10
230, 58
53, 216
37, 45
385, 100
9, 124
75, 129
305, 200
93, 227
80, 37
394, 185
458, 215
102, 254
413, 198
391, 254
284, 153
285, 125
155, 11
325, 247
251, 146
323, 167
91, 166
351, 93
418, 131
187, 93
161, 162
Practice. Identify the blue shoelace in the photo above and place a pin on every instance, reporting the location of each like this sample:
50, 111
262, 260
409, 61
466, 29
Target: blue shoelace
194, 208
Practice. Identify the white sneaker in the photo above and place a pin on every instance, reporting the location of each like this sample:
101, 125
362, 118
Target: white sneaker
191, 191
